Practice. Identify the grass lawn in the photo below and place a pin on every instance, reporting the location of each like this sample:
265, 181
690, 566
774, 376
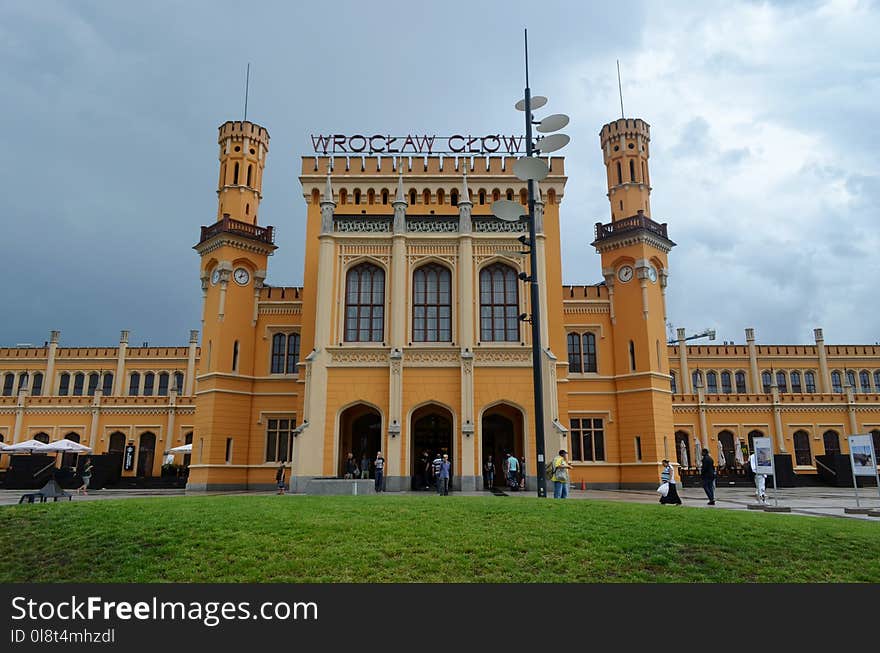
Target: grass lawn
423, 539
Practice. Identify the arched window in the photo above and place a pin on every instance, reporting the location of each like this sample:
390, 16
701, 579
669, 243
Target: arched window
851, 379
134, 384
499, 303
766, 382
810, 381
42, 437
726, 388
524, 196
69, 459
836, 384
235, 356
802, 454
672, 384
632, 170
107, 384
831, 440
740, 379
877, 381
696, 380
574, 353
590, 364
79, 381
619, 174
164, 377
384, 196
864, 381
149, 382
509, 194
23, 380
357, 196
94, 379
426, 197
441, 196
365, 303
38, 384
796, 382
292, 353
632, 356
875, 435
235, 175
496, 195
482, 196
412, 197
178, 382
453, 197
432, 304
781, 382
371, 196
249, 173
712, 383
279, 342
752, 435
64, 385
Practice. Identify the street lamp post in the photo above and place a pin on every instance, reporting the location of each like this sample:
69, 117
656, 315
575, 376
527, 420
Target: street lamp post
531, 170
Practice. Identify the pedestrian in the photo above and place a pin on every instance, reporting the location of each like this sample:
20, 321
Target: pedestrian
425, 462
707, 474
489, 473
351, 470
86, 476
522, 473
379, 469
365, 465
435, 472
279, 478
443, 478
760, 479
512, 472
560, 475
668, 476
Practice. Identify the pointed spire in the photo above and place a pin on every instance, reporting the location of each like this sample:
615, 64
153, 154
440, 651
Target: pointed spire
328, 189
465, 194
400, 196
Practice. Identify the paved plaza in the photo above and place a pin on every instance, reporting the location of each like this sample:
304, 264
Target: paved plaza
817, 502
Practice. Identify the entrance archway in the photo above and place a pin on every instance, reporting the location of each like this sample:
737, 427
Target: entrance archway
146, 451
725, 438
360, 432
502, 433
431, 428
116, 448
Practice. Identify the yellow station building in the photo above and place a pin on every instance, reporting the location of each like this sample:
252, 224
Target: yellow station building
406, 337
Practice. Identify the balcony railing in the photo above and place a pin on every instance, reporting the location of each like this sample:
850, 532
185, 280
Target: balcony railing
239, 228
632, 223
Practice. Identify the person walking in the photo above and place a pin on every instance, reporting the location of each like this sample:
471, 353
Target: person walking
489, 473
707, 474
86, 477
512, 472
760, 479
379, 469
436, 464
443, 477
365, 466
279, 478
668, 476
560, 475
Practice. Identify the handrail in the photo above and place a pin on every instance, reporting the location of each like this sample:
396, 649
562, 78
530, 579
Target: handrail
233, 226
820, 464
632, 223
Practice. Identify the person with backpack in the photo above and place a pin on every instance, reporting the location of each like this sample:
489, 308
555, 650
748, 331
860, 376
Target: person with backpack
560, 475
512, 472
279, 478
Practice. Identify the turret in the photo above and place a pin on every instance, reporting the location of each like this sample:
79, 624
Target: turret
243, 149
625, 147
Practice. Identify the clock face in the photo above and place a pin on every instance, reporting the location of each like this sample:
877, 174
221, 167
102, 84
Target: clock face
215, 276
625, 273
652, 274
241, 276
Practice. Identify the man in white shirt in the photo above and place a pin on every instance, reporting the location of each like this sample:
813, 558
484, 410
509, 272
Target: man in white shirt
760, 479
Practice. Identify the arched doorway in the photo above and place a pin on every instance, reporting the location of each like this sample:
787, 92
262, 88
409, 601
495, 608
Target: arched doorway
360, 432
431, 429
146, 451
832, 442
116, 448
187, 457
802, 455
502, 433
683, 451
68, 459
725, 439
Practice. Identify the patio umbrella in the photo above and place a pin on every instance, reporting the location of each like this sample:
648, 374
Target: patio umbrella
66, 446
28, 446
684, 454
698, 460
739, 454
184, 448
722, 461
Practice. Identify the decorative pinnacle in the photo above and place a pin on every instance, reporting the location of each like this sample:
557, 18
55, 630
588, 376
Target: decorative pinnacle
400, 196
465, 193
328, 191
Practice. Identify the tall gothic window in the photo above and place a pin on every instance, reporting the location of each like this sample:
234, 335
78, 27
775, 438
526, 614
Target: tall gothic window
107, 384
810, 381
781, 382
365, 304
802, 453
432, 304
499, 304
766, 382
590, 352
725, 383
864, 381
740, 378
285, 353
581, 352
574, 353
836, 384
796, 382
712, 383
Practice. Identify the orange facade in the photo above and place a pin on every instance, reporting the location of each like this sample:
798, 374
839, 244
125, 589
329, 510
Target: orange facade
406, 338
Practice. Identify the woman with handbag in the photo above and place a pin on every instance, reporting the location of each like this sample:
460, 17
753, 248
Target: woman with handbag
667, 476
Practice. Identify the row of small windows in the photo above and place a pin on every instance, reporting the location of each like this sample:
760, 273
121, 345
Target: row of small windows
864, 384
81, 384
482, 196
431, 304
13, 384
795, 381
150, 386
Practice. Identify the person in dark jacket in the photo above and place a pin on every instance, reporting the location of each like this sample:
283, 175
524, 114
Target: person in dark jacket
707, 473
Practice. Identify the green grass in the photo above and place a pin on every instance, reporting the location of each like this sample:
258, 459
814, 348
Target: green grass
424, 539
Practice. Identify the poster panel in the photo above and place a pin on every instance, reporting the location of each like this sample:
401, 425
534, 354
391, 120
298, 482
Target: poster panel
862, 455
763, 456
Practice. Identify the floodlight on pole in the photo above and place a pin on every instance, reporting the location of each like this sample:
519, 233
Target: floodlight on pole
532, 170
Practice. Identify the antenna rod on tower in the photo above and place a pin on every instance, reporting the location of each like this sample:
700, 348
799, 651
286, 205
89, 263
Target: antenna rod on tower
247, 82
620, 89
526, 39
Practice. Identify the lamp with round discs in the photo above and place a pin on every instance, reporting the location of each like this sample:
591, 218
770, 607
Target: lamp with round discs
530, 168
537, 102
552, 123
508, 210
552, 143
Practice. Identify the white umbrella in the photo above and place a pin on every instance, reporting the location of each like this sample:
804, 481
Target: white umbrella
66, 446
28, 446
722, 461
739, 454
698, 460
184, 448
684, 454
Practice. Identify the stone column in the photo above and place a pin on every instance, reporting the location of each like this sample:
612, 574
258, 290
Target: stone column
96, 413
189, 380
777, 417
49, 382
851, 408
701, 401
824, 378
754, 377
470, 448
169, 430
683, 362
119, 379
19, 415
608, 273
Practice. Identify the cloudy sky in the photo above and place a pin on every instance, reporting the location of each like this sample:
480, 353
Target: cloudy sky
765, 143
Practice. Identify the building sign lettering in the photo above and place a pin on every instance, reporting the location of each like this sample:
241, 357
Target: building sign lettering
418, 144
